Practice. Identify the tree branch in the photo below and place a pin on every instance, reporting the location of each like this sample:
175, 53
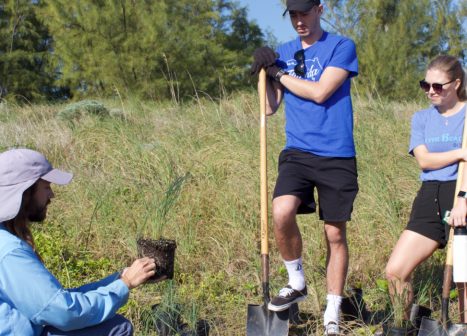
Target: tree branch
337, 19
15, 23
329, 23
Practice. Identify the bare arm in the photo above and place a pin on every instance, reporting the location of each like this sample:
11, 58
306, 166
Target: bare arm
459, 212
331, 79
274, 95
433, 161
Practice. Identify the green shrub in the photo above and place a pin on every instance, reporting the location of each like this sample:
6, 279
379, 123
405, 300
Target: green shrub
85, 107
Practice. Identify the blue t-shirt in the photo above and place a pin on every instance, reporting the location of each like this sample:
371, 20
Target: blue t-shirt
439, 134
322, 129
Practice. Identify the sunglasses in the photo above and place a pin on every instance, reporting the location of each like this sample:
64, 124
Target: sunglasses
300, 67
438, 88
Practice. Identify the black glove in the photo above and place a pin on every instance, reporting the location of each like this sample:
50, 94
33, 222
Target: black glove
264, 57
272, 71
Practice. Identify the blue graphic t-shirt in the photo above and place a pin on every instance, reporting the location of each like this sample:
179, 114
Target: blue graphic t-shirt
439, 134
322, 129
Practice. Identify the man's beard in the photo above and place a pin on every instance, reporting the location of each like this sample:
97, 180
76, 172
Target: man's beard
37, 212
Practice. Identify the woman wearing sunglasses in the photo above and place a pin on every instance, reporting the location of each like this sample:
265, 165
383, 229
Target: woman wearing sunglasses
436, 144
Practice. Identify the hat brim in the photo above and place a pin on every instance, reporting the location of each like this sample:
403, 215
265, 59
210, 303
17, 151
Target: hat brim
57, 177
11, 196
10, 199
302, 8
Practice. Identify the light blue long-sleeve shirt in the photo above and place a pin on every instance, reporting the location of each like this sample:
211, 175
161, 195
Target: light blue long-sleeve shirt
31, 297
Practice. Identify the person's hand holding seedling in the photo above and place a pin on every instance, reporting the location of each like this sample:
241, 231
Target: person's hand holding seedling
139, 273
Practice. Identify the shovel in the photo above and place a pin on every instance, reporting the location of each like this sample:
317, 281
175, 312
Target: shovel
446, 327
261, 321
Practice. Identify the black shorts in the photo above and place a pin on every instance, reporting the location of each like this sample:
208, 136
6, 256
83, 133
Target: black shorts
335, 179
433, 199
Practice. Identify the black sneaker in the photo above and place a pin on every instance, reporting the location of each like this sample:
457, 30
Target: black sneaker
286, 297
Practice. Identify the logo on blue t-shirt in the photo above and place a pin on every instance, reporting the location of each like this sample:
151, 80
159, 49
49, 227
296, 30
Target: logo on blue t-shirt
312, 66
457, 140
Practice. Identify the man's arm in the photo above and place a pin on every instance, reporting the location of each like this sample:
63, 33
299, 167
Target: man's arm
38, 295
331, 79
265, 58
95, 285
274, 95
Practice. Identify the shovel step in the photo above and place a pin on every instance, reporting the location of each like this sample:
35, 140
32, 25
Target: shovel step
431, 327
263, 322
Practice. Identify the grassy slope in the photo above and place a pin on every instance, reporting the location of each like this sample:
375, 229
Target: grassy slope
121, 165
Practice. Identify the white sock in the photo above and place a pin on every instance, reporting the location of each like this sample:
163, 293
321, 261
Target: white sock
332, 309
296, 274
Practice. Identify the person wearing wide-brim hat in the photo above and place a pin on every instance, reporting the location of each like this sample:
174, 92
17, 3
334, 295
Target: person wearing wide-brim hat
32, 301
312, 74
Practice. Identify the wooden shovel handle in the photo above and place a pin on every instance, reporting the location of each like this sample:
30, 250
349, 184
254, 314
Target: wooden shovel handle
264, 188
263, 165
448, 268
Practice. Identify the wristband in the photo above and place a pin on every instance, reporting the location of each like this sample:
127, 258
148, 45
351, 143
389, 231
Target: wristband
279, 75
462, 194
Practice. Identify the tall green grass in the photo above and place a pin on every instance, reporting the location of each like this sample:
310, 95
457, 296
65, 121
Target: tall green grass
122, 167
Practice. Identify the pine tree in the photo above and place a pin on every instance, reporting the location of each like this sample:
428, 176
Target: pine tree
94, 43
24, 52
156, 49
393, 47
462, 17
397, 39
151, 49
447, 32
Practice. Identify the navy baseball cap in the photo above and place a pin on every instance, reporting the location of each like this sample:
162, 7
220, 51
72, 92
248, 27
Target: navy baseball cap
302, 6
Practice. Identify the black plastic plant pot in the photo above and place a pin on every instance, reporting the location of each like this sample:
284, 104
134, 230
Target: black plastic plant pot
165, 320
390, 330
397, 331
353, 307
161, 250
202, 329
417, 313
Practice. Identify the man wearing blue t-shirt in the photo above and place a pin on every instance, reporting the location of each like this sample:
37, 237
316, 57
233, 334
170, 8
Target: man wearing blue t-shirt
312, 74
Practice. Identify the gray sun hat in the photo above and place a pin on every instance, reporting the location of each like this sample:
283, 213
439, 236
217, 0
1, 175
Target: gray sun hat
20, 169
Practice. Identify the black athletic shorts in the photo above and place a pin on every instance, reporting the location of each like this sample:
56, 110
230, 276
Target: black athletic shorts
429, 206
335, 179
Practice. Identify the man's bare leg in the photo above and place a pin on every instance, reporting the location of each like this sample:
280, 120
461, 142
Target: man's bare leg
288, 237
289, 241
337, 260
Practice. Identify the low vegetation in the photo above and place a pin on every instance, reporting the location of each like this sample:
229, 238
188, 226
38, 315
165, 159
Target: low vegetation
123, 164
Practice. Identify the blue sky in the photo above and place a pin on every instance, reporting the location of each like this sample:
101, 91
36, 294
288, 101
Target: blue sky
268, 14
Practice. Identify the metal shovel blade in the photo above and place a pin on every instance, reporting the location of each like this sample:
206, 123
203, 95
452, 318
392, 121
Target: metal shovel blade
263, 322
431, 327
